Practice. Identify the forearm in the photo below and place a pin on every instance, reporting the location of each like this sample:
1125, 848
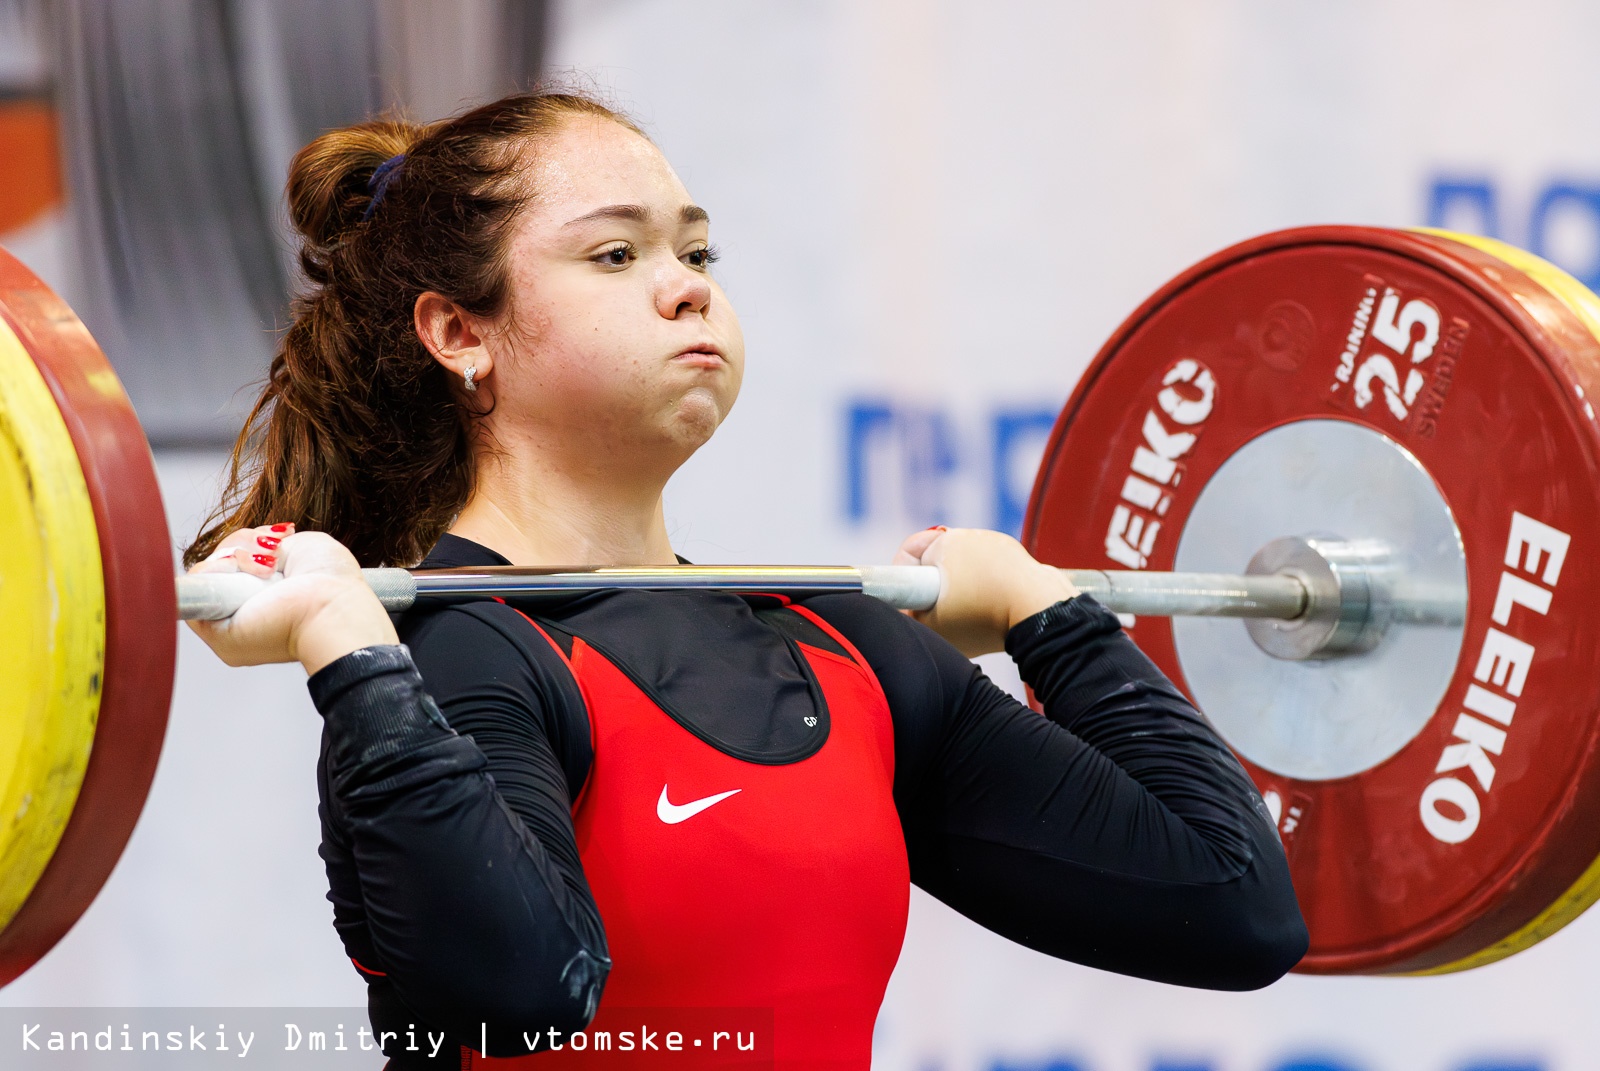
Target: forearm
1188, 879
1134, 847
1239, 934
1093, 681
472, 919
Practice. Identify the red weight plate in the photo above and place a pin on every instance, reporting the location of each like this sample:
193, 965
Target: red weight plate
1500, 423
141, 613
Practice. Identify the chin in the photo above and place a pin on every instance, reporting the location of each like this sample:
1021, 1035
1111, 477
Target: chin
696, 418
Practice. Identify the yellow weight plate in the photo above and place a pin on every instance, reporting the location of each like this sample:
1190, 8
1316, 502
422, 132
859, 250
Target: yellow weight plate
52, 624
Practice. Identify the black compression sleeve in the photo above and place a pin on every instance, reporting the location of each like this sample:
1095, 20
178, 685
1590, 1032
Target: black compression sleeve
1117, 831
471, 916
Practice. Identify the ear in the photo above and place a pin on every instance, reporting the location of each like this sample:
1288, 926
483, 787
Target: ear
452, 335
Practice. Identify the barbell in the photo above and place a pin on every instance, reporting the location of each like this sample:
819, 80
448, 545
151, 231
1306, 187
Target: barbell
1343, 594
1374, 446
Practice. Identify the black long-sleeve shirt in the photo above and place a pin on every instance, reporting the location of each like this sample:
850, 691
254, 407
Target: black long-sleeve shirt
1116, 831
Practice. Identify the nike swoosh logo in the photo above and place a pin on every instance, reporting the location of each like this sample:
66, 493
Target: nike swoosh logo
673, 813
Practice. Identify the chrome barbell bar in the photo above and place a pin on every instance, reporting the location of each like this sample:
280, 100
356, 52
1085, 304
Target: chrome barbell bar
1303, 598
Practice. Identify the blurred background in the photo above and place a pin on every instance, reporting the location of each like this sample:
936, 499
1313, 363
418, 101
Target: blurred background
931, 215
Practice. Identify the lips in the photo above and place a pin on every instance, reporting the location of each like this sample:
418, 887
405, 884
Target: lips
706, 356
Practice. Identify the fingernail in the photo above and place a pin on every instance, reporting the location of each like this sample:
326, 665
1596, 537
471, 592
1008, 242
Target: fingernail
270, 542
282, 527
937, 528
264, 559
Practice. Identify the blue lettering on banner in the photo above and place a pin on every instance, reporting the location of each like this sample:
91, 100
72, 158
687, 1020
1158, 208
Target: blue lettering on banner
920, 445
1465, 204
1317, 1063
921, 438
930, 456
864, 422
1473, 204
1574, 199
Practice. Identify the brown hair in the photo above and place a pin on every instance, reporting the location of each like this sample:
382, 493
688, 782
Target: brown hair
358, 431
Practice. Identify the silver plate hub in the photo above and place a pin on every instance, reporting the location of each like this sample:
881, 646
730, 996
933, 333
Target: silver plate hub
1320, 718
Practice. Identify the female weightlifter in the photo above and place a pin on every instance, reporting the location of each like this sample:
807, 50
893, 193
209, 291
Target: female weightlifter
511, 339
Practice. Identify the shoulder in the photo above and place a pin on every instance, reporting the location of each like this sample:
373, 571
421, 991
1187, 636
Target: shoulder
495, 677
478, 630
861, 613
875, 628
467, 649
915, 664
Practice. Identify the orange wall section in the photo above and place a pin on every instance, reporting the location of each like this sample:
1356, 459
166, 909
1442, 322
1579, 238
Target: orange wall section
30, 162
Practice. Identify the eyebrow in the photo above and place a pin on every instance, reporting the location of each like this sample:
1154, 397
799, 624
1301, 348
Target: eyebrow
640, 214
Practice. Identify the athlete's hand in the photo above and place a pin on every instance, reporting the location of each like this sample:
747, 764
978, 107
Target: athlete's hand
318, 611
990, 583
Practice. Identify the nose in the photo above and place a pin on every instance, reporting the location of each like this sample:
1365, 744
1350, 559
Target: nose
683, 290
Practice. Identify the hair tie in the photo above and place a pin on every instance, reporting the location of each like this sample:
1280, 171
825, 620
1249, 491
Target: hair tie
382, 175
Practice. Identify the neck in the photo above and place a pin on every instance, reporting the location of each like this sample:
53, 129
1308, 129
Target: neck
548, 515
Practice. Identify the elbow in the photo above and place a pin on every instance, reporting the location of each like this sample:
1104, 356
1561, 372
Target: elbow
515, 1011
565, 1003
1273, 940
1264, 932
1265, 935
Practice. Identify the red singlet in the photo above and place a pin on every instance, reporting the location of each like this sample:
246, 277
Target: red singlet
738, 896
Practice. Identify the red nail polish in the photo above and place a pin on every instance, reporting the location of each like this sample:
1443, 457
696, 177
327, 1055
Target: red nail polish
270, 542
263, 559
937, 528
282, 527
